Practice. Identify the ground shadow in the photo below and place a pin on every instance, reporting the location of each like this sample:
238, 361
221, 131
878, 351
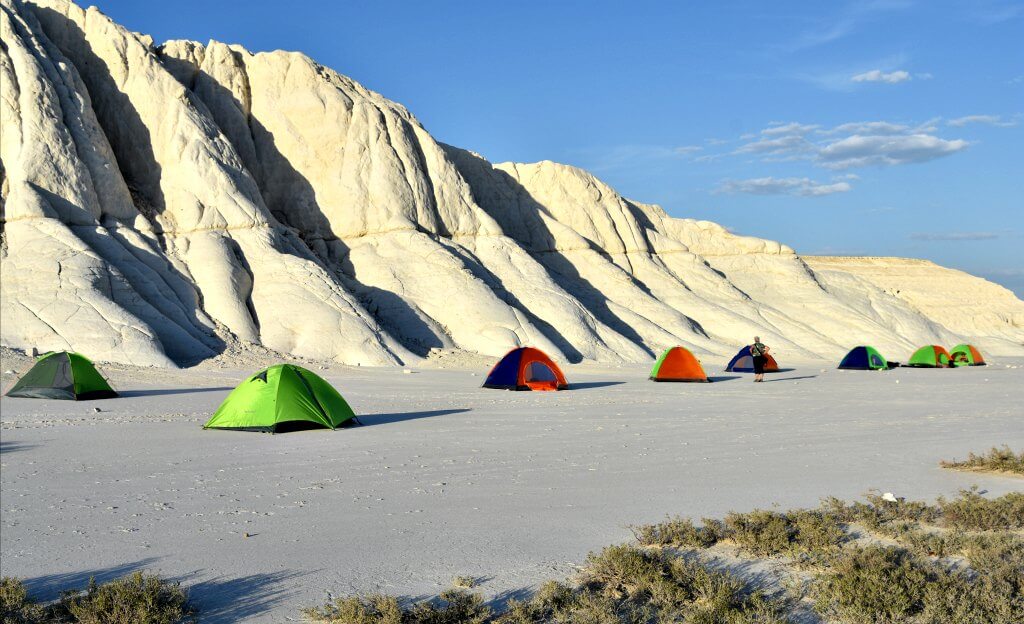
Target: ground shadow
162, 391
14, 447
724, 378
499, 602
586, 385
368, 420
222, 600
791, 378
49, 587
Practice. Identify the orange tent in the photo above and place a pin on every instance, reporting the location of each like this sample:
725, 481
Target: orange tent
526, 368
678, 364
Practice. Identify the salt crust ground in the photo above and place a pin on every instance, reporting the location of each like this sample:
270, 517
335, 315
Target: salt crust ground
449, 479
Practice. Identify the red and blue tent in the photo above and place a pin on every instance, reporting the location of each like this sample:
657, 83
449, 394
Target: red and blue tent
526, 368
743, 362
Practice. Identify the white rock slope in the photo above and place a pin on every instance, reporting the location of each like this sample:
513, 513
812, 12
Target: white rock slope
163, 204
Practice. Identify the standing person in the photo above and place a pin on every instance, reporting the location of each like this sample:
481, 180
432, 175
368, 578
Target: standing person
760, 352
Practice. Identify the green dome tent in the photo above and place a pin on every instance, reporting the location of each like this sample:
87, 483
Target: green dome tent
281, 398
966, 355
62, 375
930, 356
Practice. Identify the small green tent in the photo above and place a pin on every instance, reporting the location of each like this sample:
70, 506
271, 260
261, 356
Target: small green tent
281, 398
966, 355
62, 375
930, 356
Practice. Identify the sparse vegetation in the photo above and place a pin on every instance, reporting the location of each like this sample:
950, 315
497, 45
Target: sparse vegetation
16, 607
996, 460
875, 561
135, 599
464, 582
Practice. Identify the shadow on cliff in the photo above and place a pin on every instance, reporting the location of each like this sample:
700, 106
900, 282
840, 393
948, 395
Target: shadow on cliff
528, 228
132, 146
291, 198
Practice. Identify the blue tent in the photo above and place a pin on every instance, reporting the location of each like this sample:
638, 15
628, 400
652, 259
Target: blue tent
865, 358
743, 362
526, 368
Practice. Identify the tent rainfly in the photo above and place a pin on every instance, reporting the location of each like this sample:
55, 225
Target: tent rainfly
282, 398
62, 375
526, 368
678, 364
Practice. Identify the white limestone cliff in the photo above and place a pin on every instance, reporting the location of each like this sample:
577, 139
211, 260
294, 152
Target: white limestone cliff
162, 204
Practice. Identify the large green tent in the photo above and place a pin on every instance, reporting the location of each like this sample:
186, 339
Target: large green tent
281, 398
62, 375
929, 356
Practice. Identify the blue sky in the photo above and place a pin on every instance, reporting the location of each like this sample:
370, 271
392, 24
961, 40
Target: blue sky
876, 128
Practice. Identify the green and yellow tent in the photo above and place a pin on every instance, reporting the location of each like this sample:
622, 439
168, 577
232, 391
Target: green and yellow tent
282, 398
62, 375
930, 356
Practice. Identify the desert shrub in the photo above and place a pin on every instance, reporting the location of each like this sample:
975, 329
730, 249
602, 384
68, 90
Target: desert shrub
877, 511
816, 531
16, 607
464, 582
677, 531
135, 599
619, 585
760, 532
971, 510
454, 606
372, 609
672, 589
871, 585
996, 460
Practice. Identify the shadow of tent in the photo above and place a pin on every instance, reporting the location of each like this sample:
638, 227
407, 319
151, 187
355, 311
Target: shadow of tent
586, 385
724, 378
791, 378
49, 587
14, 447
223, 600
163, 391
368, 420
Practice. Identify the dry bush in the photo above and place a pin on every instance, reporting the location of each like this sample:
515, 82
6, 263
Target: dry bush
971, 510
16, 607
996, 460
135, 599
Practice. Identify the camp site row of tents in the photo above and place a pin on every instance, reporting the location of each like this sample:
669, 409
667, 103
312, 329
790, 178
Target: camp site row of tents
287, 397
929, 356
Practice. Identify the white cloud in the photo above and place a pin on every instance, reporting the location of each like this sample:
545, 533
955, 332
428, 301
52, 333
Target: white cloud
877, 75
869, 127
804, 187
777, 129
863, 151
687, 149
991, 120
953, 236
784, 145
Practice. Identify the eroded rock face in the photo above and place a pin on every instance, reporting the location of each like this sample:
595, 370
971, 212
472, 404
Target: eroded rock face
161, 203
